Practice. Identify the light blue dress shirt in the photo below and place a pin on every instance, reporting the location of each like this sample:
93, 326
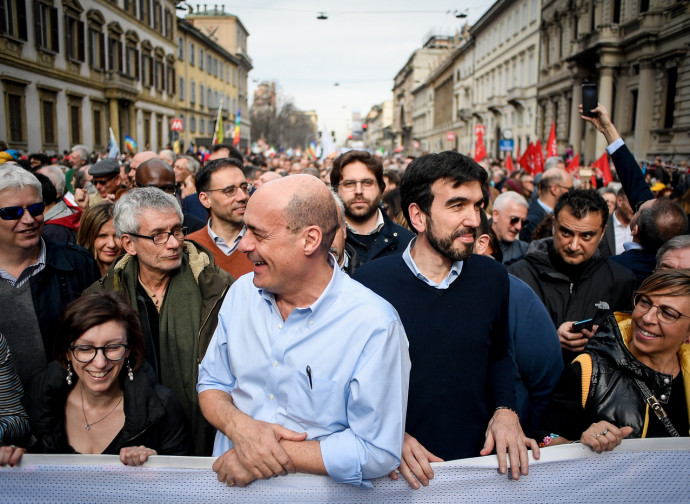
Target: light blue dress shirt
355, 348
454, 272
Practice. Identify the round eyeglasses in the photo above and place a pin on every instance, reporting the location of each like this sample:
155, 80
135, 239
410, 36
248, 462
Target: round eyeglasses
87, 353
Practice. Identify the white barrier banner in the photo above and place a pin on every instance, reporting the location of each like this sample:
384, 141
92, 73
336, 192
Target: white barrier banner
646, 470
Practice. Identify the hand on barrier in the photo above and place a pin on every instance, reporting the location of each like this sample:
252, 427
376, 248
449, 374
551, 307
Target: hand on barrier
415, 464
505, 433
229, 470
258, 448
135, 455
604, 436
10, 455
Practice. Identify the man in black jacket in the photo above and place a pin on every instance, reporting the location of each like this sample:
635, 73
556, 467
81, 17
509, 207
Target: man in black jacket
38, 277
569, 274
357, 176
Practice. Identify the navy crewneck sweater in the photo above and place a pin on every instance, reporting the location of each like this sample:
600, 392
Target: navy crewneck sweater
461, 368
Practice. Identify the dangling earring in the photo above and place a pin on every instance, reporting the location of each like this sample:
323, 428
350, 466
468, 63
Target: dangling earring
130, 373
69, 373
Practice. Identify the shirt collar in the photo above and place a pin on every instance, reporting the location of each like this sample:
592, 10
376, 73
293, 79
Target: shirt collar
379, 225
220, 241
454, 272
544, 206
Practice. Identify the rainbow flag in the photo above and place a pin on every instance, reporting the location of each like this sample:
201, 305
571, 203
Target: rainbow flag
312, 149
236, 138
130, 144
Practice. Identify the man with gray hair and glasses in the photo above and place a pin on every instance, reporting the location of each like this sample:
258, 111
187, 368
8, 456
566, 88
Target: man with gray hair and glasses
38, 277
176, 288
675, 253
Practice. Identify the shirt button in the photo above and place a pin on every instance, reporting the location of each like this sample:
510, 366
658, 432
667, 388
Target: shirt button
662, 397
667, 381
270, 397
275, 363
311, 322
280, 326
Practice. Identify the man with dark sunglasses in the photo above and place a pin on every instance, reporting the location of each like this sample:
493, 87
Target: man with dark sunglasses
38, 277
106, 180
509, 217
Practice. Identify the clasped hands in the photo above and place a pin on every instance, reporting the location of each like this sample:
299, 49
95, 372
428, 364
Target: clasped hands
503, 432
257, 453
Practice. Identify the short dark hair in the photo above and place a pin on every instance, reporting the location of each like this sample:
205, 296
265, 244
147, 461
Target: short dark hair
393, 176
202, 178
374, 165
659, 223
485, 228
415, 186
582, 202
234, 153
92, 310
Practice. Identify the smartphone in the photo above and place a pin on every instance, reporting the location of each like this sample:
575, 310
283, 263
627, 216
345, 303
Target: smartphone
590, 100
582, 324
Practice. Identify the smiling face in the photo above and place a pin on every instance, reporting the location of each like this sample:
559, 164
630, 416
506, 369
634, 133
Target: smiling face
502, 221
107, 245
269, 244
100, 374
653, 340
453, 218
576, 240
155, 258
229, 209
25, 232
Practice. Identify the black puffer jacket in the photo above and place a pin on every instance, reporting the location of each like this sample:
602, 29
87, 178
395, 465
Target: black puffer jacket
601, 285
153, 416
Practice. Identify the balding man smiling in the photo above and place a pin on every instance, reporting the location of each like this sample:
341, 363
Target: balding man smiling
325, 389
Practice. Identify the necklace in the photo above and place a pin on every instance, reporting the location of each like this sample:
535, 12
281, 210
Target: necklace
88, 425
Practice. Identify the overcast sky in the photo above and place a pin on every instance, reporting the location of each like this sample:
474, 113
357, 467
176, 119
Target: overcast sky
361, 46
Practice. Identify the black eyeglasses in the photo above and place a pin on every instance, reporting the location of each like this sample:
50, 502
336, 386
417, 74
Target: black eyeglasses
230, 191
16, 212
664, 314
163, 237
103, 181
87, 353
515, 220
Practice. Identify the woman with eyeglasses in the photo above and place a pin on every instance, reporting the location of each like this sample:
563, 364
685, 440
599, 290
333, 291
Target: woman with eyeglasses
633, 379
98, 397
97, 235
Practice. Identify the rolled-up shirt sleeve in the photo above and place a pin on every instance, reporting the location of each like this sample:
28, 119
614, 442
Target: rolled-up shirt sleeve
376, 405
214, 370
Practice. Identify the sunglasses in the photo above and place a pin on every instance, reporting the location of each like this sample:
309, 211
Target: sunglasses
515, 220
16, 212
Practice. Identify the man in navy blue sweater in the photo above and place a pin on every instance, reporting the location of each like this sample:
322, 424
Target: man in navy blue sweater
454, 307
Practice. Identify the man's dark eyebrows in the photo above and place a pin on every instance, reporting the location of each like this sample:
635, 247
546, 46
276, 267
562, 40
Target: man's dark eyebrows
456, 200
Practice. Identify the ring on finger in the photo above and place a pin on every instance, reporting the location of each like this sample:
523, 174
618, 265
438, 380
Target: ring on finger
597, 436
606, 431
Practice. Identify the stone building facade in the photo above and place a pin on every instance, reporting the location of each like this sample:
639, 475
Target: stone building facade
70, 69
637, 54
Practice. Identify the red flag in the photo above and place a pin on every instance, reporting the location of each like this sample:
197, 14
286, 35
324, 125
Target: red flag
479, 149
527, 161
551, 149
538, 158
517, 156
603, 164
509, 164
574, 164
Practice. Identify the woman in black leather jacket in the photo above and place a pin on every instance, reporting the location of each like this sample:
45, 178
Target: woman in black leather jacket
634, 370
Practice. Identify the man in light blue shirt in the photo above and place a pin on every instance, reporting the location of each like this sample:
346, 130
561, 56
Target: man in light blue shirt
308, 370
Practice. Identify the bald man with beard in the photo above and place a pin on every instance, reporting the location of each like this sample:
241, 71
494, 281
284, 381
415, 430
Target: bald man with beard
325, 391
158, 173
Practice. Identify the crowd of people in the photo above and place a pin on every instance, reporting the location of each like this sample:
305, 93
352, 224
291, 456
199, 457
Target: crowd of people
354, 318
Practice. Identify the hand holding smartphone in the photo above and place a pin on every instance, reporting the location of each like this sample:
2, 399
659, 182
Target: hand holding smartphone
590, 99
577, 327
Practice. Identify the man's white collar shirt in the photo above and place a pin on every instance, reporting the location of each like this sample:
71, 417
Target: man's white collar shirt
622, 234
379, 224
